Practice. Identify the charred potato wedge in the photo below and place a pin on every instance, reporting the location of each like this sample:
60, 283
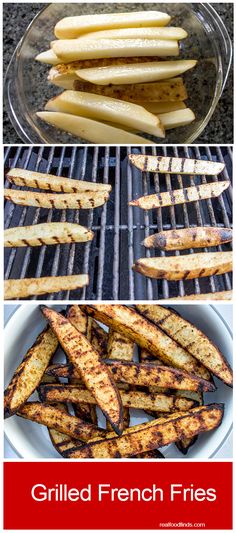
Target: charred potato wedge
182, 239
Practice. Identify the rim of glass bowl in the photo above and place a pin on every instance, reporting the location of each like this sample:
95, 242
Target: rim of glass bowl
222, 75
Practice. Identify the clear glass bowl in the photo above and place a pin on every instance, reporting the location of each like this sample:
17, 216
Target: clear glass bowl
26, 88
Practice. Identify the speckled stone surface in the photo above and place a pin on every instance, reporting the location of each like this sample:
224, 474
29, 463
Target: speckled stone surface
16, 18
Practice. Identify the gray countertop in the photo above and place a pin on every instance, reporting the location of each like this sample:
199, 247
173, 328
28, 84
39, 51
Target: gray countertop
16, 18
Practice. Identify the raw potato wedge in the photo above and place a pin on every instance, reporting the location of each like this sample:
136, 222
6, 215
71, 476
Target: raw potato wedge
139, 73
46, 233
155, 434
28, 375
49, 57
189, 337
49, 182
119, 347
175, 165
181, 196
144, 375
55, 418
185, 266
136, 328
168, 33
90, 130
221, 295
72, 27
162, 91
22, 288
75, 49
104, 108
81, 200
182, 239
91, 368
176, 119
51, 393
161, 107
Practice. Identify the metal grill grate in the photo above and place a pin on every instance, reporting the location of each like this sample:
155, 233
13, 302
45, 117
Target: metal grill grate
119, 229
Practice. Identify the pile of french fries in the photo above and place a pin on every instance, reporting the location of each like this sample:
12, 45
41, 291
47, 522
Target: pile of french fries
64, 193
177, 364
119, 77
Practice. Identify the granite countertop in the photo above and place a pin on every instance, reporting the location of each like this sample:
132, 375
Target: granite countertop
16, 18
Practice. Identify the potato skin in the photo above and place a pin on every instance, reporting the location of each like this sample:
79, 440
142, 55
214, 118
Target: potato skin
182, 239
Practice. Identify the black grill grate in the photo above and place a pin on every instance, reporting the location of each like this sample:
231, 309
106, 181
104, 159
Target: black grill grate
119, 229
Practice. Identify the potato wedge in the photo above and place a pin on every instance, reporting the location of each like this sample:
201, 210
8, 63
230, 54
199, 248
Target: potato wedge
151, 454
49, 57
91, 368
175, 165
176, 119
167, 33
182, 239
72, 27
46, 233
189, 337
49, 182
183, 445
144, 375
28, 375
128, 322
91, 130
22, 288
151, 435
119, 347
139, 73
181, 196
104, 108
82, 200
55, 418
54, 393
221, 295
185, 266
162, 91
84, 324
75, 49
161, 107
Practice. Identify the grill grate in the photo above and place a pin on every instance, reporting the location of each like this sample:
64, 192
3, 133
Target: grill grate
119, 229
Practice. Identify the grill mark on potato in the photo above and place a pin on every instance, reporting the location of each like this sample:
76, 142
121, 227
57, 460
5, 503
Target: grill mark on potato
185, 191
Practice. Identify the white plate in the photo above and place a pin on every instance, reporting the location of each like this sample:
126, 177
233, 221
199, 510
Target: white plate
31, 441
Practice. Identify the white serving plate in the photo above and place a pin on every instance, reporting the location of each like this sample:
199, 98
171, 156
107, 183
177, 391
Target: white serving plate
31, 441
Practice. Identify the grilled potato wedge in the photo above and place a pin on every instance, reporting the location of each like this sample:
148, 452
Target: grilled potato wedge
82, 200
175, 165
46, 233
22, 288
91, 368
72, 27
89, 327
55, 418
189, 337
28, 375
169, 33
49, 182
181, 196
152, 454
185, 266
155, 434
119, 347
138, 73
221, 295
162, 91
136, 328
54, 393
182, 239
183, 445
144, 375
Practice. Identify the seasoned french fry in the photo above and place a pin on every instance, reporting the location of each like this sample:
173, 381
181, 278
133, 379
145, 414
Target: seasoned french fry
138, 73
46, 233
89, 327
72, 27
167, 33
182, 239
49, 182
221, 295
22, 288
176, 119
119, 347
82, 200
151, 454
91, 130
102, 108
175, 165
129, 323
181, 196
30, 371
55, 418
91, 368
185, 266
151, 435
189, 337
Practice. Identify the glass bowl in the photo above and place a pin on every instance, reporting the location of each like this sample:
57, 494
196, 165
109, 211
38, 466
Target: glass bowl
26, 88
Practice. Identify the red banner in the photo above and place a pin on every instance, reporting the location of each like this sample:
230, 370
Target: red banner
118, 495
